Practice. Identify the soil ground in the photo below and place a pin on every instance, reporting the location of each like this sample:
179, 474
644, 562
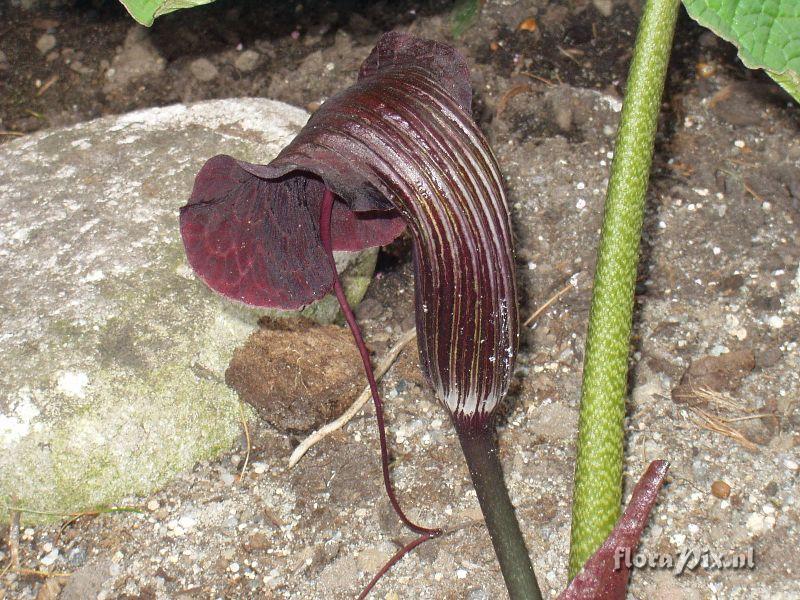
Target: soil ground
719, 283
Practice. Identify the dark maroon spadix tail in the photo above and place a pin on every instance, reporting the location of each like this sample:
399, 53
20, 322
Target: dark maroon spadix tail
425, 532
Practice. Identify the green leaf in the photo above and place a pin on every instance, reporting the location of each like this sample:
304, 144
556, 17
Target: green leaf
790, 81
465, 13
145, 11
766, 32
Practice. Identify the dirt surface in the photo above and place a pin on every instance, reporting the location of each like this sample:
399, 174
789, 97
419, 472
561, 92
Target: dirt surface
719, 277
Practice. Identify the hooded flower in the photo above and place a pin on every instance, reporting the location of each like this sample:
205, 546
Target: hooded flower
398, 149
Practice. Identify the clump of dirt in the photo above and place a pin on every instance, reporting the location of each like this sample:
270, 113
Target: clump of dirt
298, 375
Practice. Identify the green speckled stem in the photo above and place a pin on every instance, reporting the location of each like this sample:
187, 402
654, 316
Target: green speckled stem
598, 472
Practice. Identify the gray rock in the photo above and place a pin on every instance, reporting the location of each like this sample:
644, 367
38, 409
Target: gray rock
113, 353
46, 43
203, 69
247, 60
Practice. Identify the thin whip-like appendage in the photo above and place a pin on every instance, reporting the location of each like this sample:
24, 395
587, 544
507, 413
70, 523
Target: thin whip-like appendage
325, 235
320, 434
391, 562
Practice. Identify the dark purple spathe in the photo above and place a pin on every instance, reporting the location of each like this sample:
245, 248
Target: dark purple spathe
399, 146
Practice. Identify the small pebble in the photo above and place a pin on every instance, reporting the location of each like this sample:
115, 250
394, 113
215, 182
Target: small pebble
187, 522
49, 558
46, 43
528, 25
233, 567
76, 556
720, 489
258, 541
755, 523
604, 7
461, 573
775, 322
718, 350
247, 61
153, 505
791, 464
705, 70
203, 69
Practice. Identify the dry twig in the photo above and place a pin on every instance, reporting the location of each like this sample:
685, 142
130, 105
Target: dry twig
547, 304
722, 425
13, 537
538, 78
708, 421
247, 438
36, 573
46, 85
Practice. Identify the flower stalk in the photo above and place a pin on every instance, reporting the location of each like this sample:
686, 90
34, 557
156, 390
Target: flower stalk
481, 453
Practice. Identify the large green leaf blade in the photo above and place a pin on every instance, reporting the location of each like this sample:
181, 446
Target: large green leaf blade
790, 81
145, 11
766, 32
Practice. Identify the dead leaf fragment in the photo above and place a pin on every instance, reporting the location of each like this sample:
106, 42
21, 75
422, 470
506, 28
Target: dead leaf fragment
723, 373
